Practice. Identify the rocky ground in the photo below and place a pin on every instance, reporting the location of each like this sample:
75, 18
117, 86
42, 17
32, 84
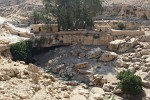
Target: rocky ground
98, 65
19, 81
77, 71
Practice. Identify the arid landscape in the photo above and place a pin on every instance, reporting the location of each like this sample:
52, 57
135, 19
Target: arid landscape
79, 64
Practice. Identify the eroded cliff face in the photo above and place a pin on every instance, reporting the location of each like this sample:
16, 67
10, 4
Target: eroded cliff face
19, 10
125, 11
10, 2
129, 10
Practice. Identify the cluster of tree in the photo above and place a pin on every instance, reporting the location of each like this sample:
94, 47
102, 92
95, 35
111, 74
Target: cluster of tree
71, 14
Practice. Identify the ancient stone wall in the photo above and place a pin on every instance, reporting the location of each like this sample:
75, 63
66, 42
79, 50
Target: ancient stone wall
86, 38
130, 25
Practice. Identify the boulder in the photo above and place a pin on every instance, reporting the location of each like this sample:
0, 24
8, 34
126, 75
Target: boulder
117, 91
113, 45
144, 38
95, 53
108, 56
4, 77
122, 45
97, 90
80, 65
147, 77
146, 84
33, 68
145, 52
78, 97
98, 80
126, 59
98, 97
106, 88
58, 68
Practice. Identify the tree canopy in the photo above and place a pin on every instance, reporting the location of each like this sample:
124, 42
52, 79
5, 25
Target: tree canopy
72, 14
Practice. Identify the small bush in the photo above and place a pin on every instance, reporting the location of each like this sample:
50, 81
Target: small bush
121, 25
123, 74
22, 51
129, 83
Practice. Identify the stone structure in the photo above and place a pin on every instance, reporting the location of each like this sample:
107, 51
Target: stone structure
85, 37
130, 25
41, 28
144, 28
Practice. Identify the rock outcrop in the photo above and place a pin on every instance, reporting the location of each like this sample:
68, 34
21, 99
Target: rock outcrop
122, 45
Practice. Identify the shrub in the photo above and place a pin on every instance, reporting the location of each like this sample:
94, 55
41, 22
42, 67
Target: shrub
22, 51
121, 25
129, 83
123, 74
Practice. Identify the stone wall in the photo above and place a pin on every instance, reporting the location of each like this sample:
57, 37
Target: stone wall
130, 25
127, 32
86, 38
41, 28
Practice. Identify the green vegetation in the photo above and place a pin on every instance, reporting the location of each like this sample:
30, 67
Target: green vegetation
72, 14
121, 25
22, 51
130, 83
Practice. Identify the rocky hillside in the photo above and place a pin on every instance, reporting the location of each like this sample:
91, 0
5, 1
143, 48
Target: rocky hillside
144, 4
19, 10
128, 10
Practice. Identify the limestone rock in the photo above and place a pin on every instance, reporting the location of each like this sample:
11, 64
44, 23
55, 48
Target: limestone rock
80, 65
78, 97
33, 68
147, 77
108, 56
66, 95
117, 91
98, 81
144, 38
126, 59
72, 83
145, 52
146, 84
58, 68
106, 88
35, 77
48, 76
95, 53
97, 96
97, 90
4, 77
122, 45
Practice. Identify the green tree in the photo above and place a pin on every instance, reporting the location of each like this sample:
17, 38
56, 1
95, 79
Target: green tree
121, 25
22, 51
72, 14
130, 83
